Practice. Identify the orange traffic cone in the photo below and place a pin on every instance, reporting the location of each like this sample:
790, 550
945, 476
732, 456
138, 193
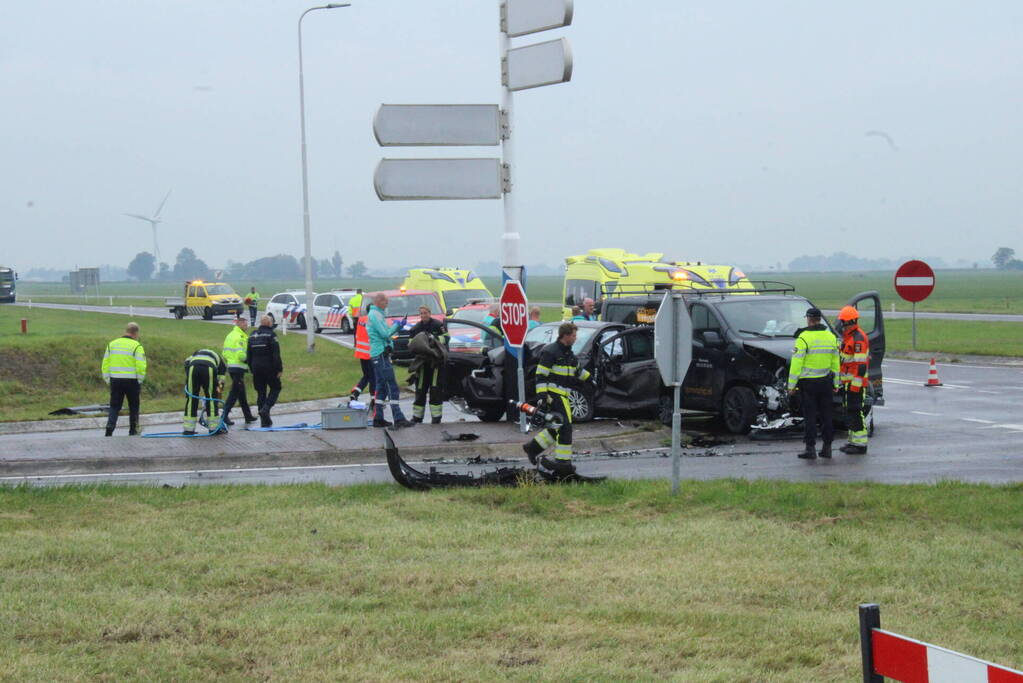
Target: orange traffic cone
932, 376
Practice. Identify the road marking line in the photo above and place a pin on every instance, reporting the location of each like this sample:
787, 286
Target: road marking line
1016, 428
977, 419
911, 382
955, 365
920, 412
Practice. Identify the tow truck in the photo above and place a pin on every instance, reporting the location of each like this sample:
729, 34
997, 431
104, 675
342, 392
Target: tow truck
206, 299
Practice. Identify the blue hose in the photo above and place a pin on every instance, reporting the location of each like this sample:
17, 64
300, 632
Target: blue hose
223, 424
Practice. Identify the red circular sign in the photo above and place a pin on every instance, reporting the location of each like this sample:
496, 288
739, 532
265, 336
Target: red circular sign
914, 281
514, 313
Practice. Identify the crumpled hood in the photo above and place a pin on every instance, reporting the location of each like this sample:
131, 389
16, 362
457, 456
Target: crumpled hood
779, 346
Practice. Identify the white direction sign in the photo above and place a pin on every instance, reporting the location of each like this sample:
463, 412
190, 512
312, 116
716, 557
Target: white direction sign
537, 65
398, 125
405, 179
673, 339
522, 17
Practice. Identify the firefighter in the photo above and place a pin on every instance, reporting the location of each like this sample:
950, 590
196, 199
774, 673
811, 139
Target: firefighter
252, 301
380, 344
263, 354
814, 374
362, 354
204, 374
429, 366
124, 369
355, 307
235, 349
855, 357
557, 372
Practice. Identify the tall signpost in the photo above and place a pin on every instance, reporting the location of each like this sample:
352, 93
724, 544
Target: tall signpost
515, 323
673, 351
914, 281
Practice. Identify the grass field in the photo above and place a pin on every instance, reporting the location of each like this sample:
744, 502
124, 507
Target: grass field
960, 291
956, 337
731, 581
58, 363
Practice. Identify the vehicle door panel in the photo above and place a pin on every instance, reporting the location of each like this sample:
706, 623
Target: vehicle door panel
872, 323
461, 366
626, 373
701, 389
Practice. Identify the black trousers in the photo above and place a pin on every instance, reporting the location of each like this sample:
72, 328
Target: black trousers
237, 394
428, 382
121, 389
252, 315
268, 388
367, 376
817, 406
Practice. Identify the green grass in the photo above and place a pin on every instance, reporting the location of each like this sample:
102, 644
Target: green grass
956, 337
57, 363
731, 581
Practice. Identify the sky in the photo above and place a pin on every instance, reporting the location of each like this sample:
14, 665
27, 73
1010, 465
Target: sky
742, 132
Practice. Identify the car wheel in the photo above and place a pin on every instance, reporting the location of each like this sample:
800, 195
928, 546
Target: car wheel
581, 405
179, 313
491, 413
738, 409
346, 327
207, 313
301, 321
665, 408
870, 428
316, 326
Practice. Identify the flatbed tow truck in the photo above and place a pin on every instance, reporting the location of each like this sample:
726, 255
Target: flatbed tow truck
206, 299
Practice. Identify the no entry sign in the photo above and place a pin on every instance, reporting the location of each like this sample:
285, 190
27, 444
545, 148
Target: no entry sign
514, 314
914, 281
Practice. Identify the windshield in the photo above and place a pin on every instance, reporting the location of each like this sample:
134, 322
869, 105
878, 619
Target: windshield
460, 297
408, 304
6, 275
218, 289
545, 334
474, 314
760, 318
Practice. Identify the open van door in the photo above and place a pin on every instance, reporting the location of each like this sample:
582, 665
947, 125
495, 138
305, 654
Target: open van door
872, 324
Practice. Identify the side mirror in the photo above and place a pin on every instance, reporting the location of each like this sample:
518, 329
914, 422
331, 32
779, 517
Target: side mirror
713, 338
450, 312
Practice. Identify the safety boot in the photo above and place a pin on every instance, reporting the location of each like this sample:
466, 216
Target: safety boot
381, 422
264, 419
229, 422
808, 453
561, 468
417, 420
435, 421
533, 450
853, 449
826, 451
402, 423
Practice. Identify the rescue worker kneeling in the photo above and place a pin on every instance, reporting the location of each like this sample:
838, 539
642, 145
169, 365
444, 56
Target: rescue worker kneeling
854, 354
204, 374
557, 372
428, 341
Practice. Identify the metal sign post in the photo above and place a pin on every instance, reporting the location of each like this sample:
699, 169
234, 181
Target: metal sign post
673, 351
515, 323
914, 281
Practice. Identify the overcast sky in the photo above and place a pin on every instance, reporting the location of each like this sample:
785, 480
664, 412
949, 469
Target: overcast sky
732, 132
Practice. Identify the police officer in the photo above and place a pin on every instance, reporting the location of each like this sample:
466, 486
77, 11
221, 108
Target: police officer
430, 368
204, 374
355, 307
814, 374
124, 369
380, 345
854, 354
252, 299
235, 353
557, 372
263, 354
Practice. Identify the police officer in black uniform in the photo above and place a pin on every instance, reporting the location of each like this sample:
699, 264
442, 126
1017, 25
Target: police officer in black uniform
264, 357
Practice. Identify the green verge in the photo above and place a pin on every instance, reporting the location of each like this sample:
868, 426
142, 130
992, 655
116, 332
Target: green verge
730, 581
57, 363
956, 337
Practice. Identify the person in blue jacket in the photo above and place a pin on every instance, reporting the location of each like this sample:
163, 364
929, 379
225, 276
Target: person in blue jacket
380, 345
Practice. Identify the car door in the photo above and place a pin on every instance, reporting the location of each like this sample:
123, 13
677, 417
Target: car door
872, 324
462, 368
626, 373
704, 381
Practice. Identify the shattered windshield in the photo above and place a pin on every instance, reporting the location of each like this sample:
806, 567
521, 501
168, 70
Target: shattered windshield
765, 318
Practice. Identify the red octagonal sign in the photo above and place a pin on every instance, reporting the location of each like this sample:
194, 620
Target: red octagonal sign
514, 313
914, 281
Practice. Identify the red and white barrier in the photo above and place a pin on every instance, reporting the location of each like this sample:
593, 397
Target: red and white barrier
912, 661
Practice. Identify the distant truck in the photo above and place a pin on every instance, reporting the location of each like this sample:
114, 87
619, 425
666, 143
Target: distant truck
8, 284
206, 299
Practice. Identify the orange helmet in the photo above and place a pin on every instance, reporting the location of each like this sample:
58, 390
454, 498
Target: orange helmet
848, 313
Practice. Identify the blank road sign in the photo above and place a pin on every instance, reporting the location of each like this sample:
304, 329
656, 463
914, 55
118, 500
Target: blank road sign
540, 64
406, 179
532, 16
437, 124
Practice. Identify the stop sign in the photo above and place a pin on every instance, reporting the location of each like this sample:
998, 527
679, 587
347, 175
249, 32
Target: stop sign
514, 314
914, 281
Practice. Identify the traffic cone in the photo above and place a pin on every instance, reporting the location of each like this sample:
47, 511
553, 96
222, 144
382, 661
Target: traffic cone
932, 376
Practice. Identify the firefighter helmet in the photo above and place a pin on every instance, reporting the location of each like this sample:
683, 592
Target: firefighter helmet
848, 313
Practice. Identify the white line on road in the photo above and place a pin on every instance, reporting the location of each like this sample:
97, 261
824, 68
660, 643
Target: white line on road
977, 419
910, 382
952, 365
920, 412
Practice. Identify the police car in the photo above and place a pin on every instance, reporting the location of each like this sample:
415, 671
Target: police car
330, 311
288, 308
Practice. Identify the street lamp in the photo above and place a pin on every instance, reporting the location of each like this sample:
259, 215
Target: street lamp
309, 310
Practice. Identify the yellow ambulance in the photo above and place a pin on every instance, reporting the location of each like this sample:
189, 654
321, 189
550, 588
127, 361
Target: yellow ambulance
456, 287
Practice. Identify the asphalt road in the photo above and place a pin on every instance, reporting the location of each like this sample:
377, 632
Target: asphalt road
969, 429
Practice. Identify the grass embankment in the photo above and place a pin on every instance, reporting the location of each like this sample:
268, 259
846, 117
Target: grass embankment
57, 363
956, 337
731, 581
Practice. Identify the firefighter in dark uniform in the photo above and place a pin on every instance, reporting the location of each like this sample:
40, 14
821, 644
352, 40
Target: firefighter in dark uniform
204, 375
557, 372
264, 358
430, 369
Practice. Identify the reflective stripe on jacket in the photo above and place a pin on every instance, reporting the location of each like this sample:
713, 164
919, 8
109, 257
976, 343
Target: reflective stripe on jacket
855, 357
236, 349
124, 359
814, 355
558, 370
209, 358
361, 340
355, 304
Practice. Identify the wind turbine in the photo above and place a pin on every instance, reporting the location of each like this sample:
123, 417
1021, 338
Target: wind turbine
153, 220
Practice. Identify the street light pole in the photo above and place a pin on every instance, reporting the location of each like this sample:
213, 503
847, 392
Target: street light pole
309, 312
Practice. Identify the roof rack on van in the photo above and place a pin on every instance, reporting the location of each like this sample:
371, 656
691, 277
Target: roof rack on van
758, 287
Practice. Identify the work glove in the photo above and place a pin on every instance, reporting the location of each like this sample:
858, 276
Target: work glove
404, 322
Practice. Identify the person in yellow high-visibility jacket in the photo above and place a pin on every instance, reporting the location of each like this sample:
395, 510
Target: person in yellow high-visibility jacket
813, 373
236, 356
124, 369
